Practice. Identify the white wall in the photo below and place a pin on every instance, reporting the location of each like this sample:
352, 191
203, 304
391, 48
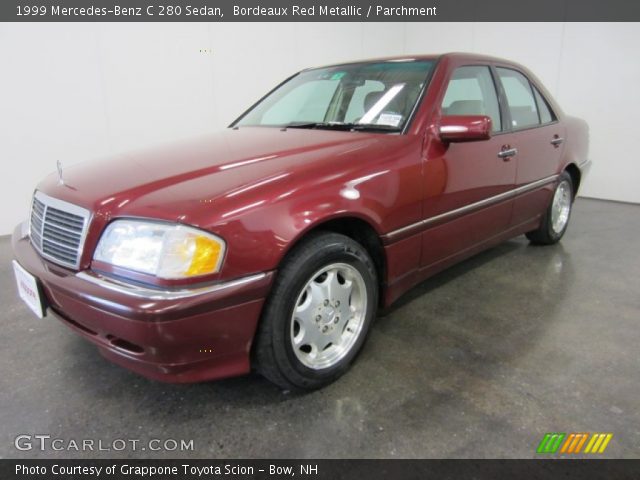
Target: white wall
592, 69
77, 92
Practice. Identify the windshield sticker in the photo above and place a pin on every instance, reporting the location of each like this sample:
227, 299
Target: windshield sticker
338, 75
391, 119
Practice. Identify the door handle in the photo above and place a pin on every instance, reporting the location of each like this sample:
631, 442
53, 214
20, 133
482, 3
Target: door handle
557, 141
507, 152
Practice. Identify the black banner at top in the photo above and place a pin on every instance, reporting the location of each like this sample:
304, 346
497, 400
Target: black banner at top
319, 10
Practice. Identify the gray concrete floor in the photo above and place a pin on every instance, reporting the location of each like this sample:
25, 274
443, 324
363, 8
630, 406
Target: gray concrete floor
479, 361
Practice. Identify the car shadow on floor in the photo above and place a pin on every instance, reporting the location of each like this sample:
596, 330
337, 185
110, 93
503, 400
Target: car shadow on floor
450, 274
253, 390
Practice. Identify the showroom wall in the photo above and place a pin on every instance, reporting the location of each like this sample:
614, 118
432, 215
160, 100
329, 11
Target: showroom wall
77, 92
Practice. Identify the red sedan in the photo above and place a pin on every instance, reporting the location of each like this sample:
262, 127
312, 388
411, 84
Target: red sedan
273, 243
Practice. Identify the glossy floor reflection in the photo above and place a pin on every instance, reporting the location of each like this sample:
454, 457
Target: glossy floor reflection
479, 361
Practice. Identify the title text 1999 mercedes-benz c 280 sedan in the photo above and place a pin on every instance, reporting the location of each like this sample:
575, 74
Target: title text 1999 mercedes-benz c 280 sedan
273, 243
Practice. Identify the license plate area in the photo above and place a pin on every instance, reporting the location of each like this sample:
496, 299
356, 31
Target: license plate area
29, 290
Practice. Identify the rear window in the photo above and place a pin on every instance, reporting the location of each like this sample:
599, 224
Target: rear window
546, 115
520, 97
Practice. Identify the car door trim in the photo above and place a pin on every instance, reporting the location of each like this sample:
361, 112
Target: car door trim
423, 224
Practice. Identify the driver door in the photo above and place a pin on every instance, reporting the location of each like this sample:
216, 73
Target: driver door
464, 202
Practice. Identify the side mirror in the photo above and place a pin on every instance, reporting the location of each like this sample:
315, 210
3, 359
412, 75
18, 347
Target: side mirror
464, 128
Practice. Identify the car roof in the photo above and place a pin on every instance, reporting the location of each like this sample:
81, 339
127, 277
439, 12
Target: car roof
411, 57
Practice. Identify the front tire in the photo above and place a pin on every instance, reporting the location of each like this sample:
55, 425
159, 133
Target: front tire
318, 314
556, 219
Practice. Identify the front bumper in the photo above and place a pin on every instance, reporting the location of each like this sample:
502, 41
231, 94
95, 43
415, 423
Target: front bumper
170, 335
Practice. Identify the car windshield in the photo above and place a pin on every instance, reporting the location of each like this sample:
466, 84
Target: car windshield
376, 96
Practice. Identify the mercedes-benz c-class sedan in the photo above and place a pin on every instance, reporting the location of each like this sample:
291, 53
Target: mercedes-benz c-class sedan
272, 244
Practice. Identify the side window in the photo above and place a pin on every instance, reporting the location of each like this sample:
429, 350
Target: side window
306, 103
522, 104
471, 92
546, 115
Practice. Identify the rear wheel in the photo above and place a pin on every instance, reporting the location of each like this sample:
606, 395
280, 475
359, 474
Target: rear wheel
556, 219
318, 313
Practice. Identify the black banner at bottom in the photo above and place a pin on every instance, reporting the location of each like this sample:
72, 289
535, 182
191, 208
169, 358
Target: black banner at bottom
318, 469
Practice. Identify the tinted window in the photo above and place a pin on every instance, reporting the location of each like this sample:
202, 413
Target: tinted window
471, 92
305, 103
522, 105
362, 95
376, 94
546, 115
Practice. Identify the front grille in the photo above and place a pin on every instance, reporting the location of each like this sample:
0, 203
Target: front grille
57, 229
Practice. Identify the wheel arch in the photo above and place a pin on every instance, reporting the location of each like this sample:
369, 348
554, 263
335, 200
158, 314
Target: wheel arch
576, 176
358, 229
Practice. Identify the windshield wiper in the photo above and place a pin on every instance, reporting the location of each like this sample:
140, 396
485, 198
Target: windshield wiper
374, 127
300, 125
343, 126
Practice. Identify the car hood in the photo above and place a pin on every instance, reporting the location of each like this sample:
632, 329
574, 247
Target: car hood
182, 181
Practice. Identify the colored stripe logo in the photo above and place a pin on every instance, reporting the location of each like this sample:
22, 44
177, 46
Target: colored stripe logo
551, 442
574, 442
598, 443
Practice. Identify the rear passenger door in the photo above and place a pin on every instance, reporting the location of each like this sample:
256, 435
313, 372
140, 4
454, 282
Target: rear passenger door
538, 138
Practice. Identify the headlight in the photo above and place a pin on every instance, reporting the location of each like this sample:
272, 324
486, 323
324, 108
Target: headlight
164, 250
